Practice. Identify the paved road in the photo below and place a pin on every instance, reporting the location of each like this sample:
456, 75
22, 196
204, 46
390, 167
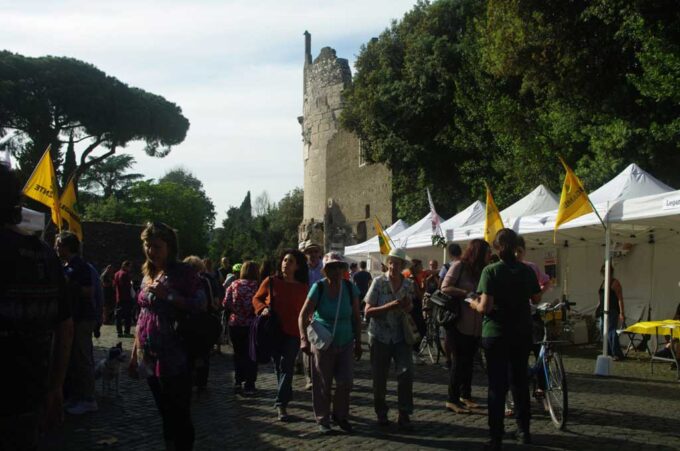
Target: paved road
633, 410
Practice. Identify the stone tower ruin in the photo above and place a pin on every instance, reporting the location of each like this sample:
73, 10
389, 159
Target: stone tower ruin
341, 192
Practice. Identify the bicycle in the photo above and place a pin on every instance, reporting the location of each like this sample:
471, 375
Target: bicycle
549, 364
431, 344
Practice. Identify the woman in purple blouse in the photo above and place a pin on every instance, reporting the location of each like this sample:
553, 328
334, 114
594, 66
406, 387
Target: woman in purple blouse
169, 291
238, 301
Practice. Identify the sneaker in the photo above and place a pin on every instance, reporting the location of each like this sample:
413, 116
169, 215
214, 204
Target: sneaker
523, 438
83, 407
343, 424
249, 390
308, 385
404, 422
325, 429
282, 414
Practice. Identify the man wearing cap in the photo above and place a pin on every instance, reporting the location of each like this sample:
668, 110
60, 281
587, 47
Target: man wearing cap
389, 298
313, 253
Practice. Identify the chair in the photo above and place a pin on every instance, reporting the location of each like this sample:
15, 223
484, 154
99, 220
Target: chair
635, 340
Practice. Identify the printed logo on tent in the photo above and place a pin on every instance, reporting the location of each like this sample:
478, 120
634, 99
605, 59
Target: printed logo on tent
671, 203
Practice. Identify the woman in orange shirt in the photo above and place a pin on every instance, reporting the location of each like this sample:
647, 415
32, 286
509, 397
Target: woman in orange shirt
285, 294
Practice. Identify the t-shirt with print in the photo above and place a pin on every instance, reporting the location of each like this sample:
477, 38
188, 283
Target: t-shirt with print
327, 306
33, 302
511, 285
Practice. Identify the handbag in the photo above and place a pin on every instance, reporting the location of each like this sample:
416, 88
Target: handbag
265, 332
318, 335
445, 308
411, 334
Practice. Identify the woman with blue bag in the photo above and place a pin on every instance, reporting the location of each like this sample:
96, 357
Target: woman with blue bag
333, 338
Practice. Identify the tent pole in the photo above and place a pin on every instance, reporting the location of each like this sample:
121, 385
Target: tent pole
603, 364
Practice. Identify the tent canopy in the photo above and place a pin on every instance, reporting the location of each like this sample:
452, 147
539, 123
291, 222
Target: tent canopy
631, 182
424, 225
540, 200
473, 214
371, 245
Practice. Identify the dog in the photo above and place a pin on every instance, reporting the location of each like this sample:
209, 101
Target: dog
108, 369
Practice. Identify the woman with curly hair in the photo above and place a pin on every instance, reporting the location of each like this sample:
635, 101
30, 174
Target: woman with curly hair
284, 294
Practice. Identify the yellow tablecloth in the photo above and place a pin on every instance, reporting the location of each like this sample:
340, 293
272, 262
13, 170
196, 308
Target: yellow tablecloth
665, 327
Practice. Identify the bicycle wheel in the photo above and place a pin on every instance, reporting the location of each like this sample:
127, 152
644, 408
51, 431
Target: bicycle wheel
556, 389
426, 348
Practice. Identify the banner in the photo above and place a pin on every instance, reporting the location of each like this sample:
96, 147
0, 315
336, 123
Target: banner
574, 200
42, 186
68, 211
437, 234
493, 222
383, 239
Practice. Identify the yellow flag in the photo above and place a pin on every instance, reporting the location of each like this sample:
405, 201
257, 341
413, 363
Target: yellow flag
573, 201
68, 211
383, 239
493, 222
42, 186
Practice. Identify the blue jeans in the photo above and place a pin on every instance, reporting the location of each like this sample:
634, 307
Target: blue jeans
284, 362
613, 345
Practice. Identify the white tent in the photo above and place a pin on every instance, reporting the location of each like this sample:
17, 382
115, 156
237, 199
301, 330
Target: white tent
473, 214
422, 226
631, 182
540, 200
645, 234
371, 245
32, 221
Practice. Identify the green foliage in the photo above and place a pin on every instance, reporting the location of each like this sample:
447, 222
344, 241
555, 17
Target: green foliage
183, 206
49, 97
244, 236
460, 92
110, 177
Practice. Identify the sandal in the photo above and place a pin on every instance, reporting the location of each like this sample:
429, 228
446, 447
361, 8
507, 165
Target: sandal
456, 407
470, 404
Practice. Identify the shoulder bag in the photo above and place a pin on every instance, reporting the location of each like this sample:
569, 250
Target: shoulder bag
318, 334
265, 332
445, 308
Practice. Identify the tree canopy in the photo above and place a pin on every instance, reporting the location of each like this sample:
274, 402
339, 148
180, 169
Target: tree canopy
461, 91
48, 98
183, 206
244, 235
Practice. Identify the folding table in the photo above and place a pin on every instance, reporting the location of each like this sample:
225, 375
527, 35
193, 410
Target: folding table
665, 327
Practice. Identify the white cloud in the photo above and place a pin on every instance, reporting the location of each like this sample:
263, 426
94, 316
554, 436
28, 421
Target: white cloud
235, 68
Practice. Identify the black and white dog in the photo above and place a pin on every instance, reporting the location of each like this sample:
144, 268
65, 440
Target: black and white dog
108, 369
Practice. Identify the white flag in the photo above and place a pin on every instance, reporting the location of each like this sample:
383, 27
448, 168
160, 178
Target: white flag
434, 217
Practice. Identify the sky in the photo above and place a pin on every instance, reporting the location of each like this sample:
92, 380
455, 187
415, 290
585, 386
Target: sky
234, 67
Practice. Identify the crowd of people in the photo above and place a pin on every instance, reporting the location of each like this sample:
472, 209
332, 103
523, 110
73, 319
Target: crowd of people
52, 303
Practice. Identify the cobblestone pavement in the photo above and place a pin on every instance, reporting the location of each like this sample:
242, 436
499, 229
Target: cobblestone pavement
633, 410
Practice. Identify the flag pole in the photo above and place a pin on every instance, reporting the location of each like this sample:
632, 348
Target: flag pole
603, 363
